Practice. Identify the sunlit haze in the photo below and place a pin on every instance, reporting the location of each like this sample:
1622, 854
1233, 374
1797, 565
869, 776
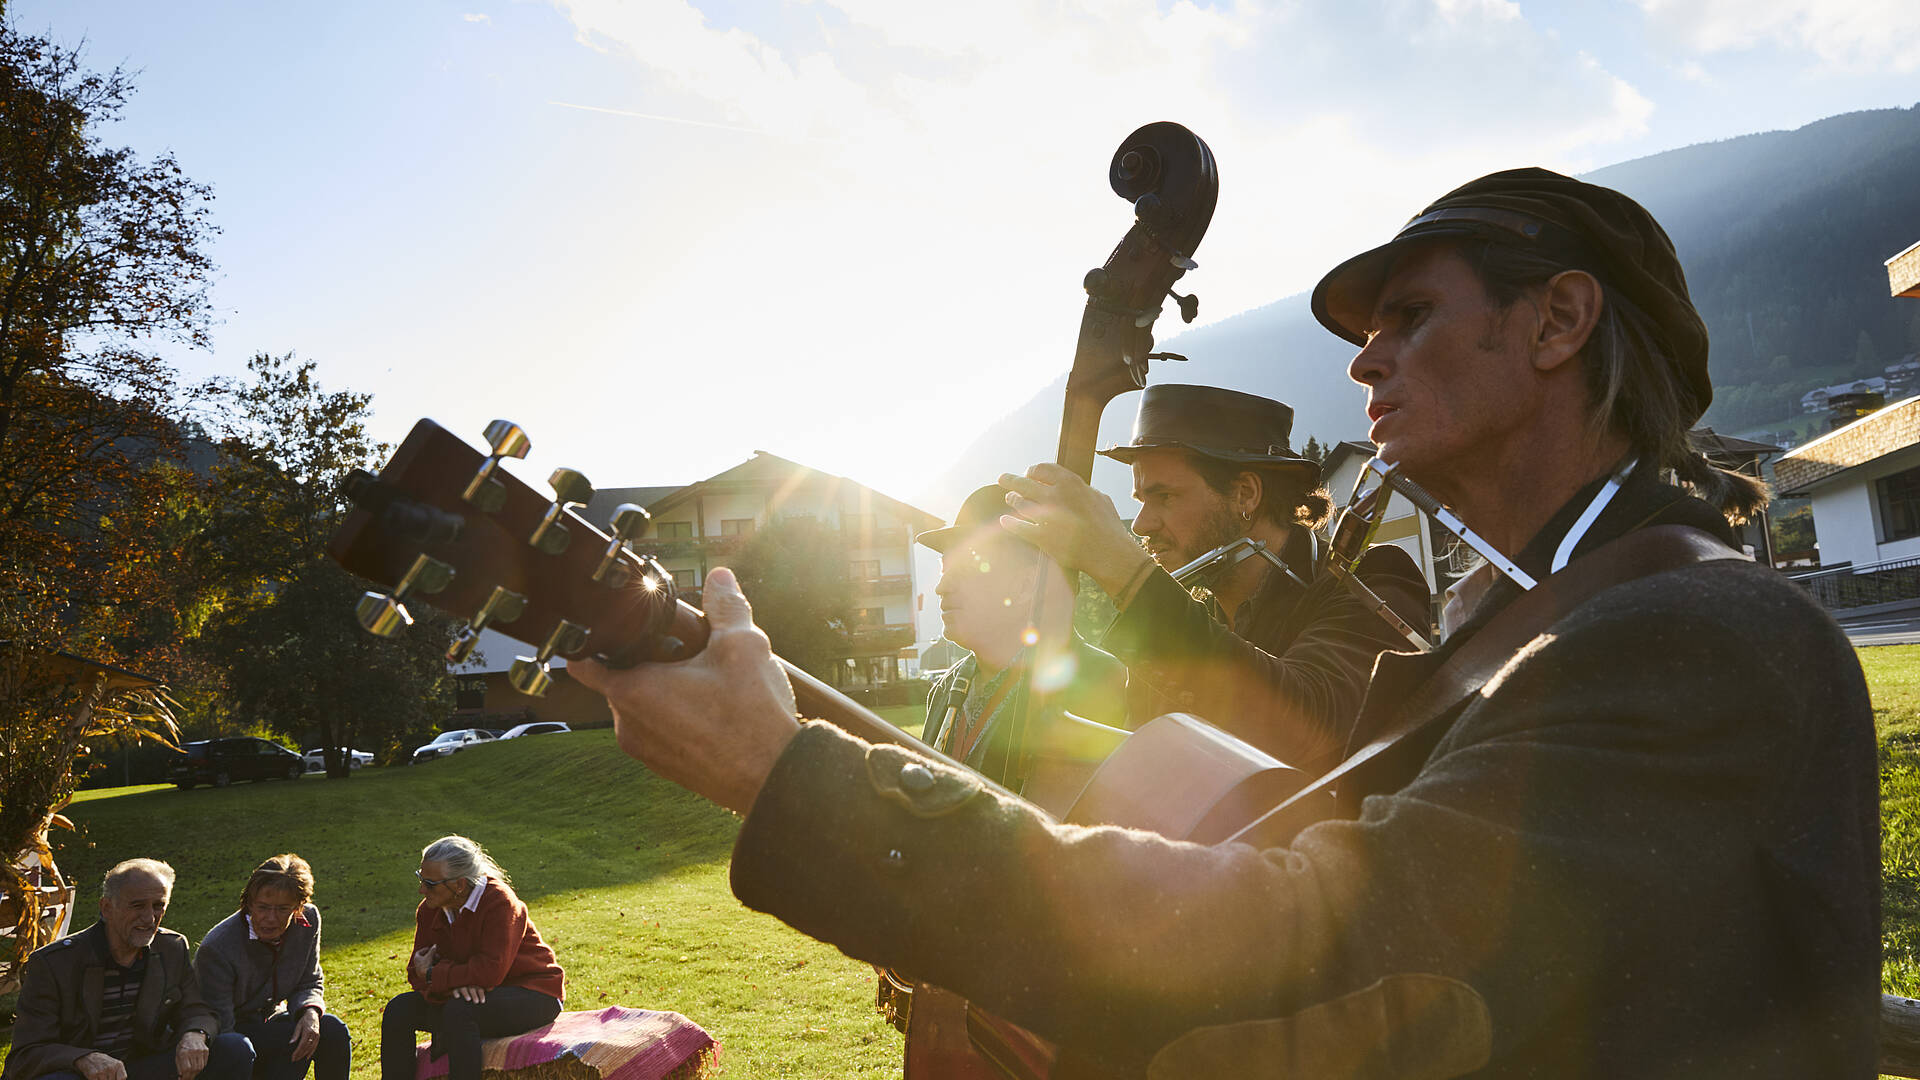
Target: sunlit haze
662, 235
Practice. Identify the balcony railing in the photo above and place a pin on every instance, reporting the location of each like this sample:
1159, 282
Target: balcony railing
885, 536
886, 583
880, 636
680, 546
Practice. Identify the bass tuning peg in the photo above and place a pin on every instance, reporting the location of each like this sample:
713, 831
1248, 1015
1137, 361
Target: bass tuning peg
507, 441
503, 605
570, 488
530, 674
383, 615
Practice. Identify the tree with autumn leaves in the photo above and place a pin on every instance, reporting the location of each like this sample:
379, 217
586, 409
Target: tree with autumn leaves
100, 251
149, 528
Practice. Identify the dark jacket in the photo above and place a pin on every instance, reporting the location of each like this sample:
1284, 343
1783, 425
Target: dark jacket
1289, 676
59, 1007
1648, 848
240, 975
1096, 689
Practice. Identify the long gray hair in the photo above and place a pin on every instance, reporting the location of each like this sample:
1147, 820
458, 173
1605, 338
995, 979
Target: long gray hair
463, 859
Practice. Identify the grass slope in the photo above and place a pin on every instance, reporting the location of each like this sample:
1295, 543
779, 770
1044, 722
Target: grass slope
625, 875
1893, 674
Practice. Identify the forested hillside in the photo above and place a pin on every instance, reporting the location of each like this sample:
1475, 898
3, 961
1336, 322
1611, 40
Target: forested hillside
1784, 236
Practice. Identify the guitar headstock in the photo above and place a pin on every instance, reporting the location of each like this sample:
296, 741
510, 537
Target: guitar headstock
445, 524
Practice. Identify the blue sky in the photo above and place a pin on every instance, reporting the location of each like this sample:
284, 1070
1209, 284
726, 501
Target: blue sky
851, 232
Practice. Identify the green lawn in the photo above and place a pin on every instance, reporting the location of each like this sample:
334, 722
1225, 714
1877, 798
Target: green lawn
1893, 672
627, 878
625, 875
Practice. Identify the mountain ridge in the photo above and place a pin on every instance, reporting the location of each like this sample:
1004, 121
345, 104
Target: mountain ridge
1783, 235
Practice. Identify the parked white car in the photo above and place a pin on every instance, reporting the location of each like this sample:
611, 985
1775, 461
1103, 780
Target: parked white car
543, 727
316, 758
448, 742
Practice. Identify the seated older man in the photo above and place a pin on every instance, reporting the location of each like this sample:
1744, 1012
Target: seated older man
118, 1001
259, 970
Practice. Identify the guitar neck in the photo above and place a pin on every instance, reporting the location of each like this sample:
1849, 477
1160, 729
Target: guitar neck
816, 700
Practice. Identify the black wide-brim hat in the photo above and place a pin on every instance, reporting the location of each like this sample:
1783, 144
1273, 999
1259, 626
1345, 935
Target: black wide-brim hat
1579, 225
982, 510
1226, 425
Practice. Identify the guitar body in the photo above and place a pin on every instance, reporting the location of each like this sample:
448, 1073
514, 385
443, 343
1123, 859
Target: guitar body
1177, 776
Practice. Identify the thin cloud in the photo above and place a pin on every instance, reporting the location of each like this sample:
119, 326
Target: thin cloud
1855, 36
663, 119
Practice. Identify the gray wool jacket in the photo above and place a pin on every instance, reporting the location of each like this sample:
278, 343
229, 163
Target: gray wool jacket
239, 978
60, 1002
1648, 847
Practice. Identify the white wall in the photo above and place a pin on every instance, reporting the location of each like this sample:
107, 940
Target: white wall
1846, 514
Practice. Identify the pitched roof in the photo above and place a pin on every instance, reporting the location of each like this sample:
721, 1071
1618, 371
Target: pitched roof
1818, 463
764, 469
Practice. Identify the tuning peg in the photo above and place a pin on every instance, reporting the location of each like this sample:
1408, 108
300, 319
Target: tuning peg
629, 520
530, 674
1189, 305
385, 616
507, 441
503, 605
570, 488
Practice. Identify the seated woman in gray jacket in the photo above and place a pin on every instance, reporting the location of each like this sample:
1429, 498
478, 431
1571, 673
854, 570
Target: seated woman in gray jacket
259, 970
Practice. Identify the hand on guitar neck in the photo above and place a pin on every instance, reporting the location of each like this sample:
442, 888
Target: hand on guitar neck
715, 723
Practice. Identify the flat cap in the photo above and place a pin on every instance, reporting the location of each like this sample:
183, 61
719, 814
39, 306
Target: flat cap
1582, 226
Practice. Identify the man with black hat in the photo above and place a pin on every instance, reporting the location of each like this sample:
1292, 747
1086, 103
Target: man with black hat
1623, 823
1012, 610
1280, 658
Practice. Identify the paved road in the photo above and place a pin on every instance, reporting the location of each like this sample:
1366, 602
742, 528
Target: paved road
1887, 628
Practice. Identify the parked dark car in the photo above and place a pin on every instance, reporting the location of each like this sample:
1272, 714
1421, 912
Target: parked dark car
222, 761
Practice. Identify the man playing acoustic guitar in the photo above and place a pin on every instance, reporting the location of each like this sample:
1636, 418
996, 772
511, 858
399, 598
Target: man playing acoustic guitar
1641, 842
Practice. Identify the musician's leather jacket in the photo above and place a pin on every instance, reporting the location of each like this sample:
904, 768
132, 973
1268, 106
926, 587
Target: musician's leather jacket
1289, 676
1648, 847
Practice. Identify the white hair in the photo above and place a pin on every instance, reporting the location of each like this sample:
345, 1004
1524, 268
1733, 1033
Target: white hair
153, 868
463, 859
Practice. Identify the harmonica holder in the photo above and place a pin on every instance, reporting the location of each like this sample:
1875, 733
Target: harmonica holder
1201, 572
1367, 506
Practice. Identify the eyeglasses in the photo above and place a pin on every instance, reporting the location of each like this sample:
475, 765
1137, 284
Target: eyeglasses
431, 882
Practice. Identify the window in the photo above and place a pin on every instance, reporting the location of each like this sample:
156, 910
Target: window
867, 617
1899, 505
864, 569
469, 692
686, 579
676, 530
736, 527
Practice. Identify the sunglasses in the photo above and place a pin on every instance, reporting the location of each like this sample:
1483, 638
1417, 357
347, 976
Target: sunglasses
431, 882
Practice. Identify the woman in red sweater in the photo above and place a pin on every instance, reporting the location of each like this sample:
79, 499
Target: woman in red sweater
479, 968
